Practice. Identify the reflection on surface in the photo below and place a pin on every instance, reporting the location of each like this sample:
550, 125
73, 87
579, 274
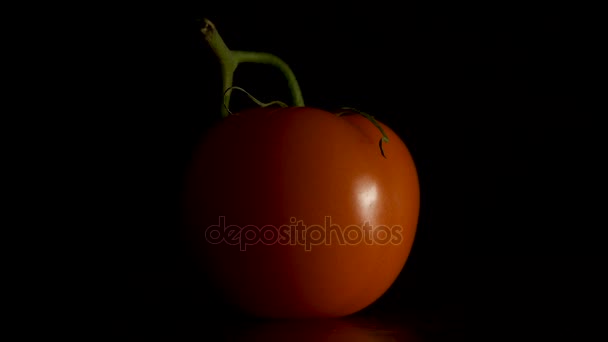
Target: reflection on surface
346, 329
367, 195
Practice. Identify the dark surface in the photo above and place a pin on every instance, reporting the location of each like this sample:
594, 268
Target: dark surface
472, 92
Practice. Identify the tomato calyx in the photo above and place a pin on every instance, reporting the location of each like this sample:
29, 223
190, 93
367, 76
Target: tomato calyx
350, 111
341, 112
252, 98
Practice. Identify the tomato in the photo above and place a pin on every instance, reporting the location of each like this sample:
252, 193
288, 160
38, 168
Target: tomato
297, 212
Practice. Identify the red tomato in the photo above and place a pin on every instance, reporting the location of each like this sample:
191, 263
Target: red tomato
261, 172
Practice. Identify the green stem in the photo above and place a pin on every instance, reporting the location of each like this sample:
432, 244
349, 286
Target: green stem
229, 60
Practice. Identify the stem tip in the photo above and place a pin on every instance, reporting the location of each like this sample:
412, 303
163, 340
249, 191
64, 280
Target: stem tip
208, 28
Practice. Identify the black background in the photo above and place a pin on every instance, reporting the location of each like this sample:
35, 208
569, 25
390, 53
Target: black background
473, 92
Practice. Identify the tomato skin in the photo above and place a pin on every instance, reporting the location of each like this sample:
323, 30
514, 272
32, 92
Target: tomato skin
265, 166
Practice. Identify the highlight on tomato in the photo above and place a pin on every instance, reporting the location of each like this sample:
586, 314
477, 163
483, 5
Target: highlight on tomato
297, 211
